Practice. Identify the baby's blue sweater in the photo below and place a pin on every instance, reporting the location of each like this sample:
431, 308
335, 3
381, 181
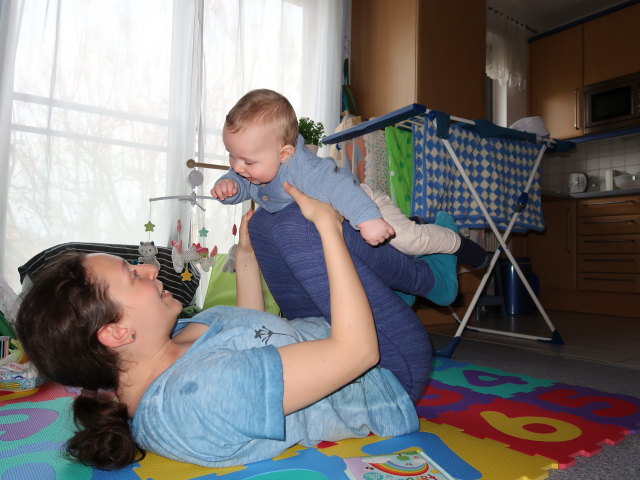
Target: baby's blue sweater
317, 177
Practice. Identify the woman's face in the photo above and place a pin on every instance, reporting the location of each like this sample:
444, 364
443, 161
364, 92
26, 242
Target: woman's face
135, 288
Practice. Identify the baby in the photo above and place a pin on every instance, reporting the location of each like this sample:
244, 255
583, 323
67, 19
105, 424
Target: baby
265, 150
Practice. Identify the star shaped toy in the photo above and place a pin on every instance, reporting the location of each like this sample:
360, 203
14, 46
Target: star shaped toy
186, 275
203, 232
148, 227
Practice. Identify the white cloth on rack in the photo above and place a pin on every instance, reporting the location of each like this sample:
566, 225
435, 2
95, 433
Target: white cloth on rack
531, 125
376, 166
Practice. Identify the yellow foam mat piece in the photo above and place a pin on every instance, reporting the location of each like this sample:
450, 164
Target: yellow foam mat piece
487, 455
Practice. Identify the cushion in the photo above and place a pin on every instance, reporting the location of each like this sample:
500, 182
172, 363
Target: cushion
222, 288
172, 281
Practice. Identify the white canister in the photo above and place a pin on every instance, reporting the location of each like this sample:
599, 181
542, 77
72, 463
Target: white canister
608, 179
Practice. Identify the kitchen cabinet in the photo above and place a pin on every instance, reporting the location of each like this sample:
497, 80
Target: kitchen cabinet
555, 82
562, 63
555, 246
588, 258
418, 51
609, 244
611, 46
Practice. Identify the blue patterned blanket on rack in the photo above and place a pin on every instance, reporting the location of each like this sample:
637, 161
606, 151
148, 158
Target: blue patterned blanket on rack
498, 168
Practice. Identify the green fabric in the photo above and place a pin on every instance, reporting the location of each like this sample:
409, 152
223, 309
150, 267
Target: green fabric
6, 330
222, 288
400, 160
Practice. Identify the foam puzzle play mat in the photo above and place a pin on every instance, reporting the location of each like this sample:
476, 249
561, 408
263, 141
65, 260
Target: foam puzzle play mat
476, 423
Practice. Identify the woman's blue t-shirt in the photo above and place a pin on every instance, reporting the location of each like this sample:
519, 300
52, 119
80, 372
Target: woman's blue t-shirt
220, 404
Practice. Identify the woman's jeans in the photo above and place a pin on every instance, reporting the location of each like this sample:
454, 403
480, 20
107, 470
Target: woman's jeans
289, 252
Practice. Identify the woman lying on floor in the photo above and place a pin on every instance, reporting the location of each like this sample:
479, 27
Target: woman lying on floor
235, 385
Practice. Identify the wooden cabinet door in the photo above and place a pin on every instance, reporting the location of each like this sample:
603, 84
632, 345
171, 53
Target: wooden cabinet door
555, 82
612, 45
451, 73
418, 51
383, 55
553, 252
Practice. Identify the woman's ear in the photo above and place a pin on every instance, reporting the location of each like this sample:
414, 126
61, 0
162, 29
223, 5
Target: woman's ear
286, 153
114, 335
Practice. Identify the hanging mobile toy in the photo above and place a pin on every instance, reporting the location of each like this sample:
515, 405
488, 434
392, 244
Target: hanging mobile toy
207, 260
176, 251
190, 255
230, 262
186, 275
148, 250
195, 253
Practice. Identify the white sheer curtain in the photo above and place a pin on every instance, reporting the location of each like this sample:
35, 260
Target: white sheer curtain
10, 17
507, 50
293, 47
108, 99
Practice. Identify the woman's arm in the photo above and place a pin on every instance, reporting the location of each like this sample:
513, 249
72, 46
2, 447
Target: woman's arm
314, 369
248, 280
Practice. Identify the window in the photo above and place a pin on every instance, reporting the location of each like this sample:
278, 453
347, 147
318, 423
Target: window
506, 65
110, 98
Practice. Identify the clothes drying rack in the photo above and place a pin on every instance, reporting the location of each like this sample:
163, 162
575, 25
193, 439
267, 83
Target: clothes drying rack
415, 114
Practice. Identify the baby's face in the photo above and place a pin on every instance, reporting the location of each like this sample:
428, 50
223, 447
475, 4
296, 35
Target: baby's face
254, 152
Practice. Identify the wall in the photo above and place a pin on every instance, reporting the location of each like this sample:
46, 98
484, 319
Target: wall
592, 158
508, 104
516, 104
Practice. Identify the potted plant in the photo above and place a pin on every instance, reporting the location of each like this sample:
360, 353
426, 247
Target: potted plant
312, 132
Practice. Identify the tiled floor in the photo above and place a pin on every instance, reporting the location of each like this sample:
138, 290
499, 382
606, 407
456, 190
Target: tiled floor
611, 340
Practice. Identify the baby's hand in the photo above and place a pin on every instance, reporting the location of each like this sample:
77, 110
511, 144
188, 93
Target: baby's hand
224, 188
375, 231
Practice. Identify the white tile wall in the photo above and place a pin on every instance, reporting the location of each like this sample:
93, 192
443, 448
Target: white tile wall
592, 158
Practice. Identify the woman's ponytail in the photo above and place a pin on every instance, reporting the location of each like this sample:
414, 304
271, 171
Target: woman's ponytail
103, 439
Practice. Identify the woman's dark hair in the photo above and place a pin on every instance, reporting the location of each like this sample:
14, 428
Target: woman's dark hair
57, 323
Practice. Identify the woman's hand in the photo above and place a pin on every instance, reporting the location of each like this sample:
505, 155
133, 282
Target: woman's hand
313, 210
244, 242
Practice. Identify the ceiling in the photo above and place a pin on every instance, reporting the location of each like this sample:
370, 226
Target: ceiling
544, 15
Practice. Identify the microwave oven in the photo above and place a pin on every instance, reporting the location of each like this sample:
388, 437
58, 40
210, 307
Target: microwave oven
612, 104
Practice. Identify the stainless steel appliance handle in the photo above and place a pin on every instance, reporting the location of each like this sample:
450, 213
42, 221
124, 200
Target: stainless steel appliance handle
575, 109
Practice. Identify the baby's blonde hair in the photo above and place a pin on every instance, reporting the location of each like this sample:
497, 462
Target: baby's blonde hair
269, 107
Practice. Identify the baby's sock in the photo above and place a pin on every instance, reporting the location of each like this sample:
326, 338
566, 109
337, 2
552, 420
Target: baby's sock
444, 266
471, 253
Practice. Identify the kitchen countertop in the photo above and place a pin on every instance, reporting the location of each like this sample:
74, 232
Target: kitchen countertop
606, 193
